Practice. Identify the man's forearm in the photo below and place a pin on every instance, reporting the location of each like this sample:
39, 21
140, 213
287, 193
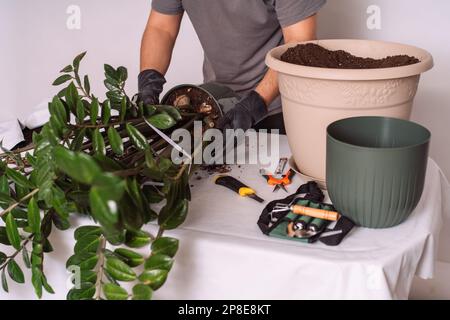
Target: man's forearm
158, 41
268, 87
301, 31
156, 50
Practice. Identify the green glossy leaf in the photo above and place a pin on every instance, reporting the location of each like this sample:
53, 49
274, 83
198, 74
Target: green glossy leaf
79, 166
62, 79
108, 164
172, 111
153, 278
165, 245
3, 257
119, 270
171, 217
26, 258
18, 178
87, 230
46, 285
115, 141
85, 260
4, 281
87, 244
77, 60
106, 112
131, 258
34, 216
131, 215
88, 276
61, 221
57, 109
114, 236
12, 232
62, 93
103, 209
87, 85
72, 96
159, 261
116, 99
114, 292
111, 72
86, 291
81, 114
4, 237
94, 111
162, 121
98, 143
136, 137
67, 69
36, 280
137, 239
122, 73
15, 272
6, 200
142, 292
77, 142
4, 185
110, 85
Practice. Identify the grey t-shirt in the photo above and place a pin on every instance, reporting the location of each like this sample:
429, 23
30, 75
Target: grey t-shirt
237, 34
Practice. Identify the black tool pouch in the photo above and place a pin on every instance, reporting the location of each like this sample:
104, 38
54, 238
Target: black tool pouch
276, 224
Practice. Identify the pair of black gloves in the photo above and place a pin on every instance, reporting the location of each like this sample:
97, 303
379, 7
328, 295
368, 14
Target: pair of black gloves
244, 115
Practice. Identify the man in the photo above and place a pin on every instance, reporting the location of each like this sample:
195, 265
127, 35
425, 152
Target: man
235, 36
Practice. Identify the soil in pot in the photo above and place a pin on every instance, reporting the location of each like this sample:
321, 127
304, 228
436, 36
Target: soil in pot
192, 98
313, 55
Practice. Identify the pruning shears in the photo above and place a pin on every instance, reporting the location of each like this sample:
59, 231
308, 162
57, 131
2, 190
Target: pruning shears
278, 179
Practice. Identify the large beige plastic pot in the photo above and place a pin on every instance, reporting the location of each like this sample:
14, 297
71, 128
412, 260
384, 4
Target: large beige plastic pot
312, 98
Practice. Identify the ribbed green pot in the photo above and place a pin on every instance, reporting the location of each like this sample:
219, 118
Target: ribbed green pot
376, 168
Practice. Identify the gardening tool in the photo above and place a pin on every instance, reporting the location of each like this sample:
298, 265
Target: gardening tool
278, 179
237, 186
294, 232
307, 211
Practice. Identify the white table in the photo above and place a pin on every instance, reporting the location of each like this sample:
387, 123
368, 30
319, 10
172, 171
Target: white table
224, 255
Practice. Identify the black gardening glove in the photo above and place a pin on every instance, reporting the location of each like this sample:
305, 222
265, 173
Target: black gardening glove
245, 114
150, 84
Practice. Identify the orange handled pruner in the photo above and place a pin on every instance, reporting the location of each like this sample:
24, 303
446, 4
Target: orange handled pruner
282, 182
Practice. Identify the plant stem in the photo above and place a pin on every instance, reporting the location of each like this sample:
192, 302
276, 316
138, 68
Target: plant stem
17, 151
99, 270
11, 257
160, 233
14, 205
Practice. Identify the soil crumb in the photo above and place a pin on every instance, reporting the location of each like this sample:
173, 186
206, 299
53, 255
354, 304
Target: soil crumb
219, 168
313, 55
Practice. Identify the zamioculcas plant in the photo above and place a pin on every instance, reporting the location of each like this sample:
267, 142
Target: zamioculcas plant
100, 159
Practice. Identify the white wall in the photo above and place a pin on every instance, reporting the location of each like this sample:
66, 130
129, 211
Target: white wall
35, 43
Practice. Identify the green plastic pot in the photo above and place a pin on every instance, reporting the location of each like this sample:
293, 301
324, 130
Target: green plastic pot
376, 168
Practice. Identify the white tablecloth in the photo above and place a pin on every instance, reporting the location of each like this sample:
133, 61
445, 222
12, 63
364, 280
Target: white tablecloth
224, 255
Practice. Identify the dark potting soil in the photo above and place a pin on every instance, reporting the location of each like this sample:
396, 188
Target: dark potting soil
313, 55
197, 99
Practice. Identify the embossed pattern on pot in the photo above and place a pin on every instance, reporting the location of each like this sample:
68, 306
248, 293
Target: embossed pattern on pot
312, 98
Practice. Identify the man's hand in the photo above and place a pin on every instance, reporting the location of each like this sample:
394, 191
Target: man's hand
150, 83
245, 114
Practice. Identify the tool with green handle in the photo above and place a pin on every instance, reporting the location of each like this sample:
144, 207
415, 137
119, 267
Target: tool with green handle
237, 186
